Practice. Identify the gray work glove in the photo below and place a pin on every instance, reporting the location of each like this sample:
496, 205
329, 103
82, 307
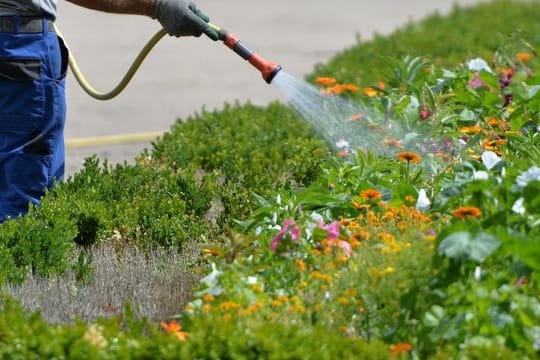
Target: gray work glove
182, 18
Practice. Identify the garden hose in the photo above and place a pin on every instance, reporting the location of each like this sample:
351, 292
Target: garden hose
85, 85
267, 68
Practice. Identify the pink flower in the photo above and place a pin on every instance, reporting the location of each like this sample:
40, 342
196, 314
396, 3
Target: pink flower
521, 281
286, 229
476, 82
333, 230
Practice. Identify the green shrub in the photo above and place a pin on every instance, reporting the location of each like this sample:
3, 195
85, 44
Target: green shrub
254, 149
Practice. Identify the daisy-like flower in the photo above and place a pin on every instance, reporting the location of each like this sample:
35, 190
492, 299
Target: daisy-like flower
409, 157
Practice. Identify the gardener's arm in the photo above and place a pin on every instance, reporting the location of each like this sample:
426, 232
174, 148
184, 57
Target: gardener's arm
178, 17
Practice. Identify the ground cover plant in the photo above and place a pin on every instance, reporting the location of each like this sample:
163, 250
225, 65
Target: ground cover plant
426, 250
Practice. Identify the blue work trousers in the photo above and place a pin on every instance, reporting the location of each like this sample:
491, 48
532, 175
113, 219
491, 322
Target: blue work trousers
32, 117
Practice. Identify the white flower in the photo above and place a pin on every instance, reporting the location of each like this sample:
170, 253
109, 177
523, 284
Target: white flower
518, 207
490, 159
480, 175
477, 273
533, 174
342, 144
251, 280
211, 278
478, 64
423, 203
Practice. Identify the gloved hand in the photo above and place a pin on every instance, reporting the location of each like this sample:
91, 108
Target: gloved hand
182, 18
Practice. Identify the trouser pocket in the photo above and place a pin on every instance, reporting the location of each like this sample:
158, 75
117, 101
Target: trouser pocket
64, 56
21, 88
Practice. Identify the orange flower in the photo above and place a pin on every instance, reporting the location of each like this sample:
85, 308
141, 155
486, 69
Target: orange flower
395, 143
467, 211
356, 117
350, 87
369, 91
208, 298
522, 56
382, 85
173, 327
397, 349
321, 80
339, 88
409, 157
300, 264
370, 194
343, 153
471, 130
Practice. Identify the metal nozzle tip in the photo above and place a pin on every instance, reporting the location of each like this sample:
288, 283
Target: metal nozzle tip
274, 72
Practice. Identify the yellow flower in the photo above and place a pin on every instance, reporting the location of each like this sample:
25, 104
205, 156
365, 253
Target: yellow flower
343, 300
95, 337
208, 298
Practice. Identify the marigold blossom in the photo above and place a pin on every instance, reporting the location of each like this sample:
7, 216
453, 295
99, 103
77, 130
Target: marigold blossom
369, 91
397, 349
470, 130
467, 211
370, 194
174, 328
523, 56
322, 80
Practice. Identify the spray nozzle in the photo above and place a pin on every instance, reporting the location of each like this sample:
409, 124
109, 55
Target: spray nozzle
267, 68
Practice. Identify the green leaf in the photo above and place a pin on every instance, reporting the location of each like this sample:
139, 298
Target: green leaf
462, 245
434, 316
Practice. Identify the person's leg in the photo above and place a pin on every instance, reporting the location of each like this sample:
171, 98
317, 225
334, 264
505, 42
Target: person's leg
32, 117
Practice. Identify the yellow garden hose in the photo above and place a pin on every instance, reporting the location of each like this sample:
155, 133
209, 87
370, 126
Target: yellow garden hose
85, 85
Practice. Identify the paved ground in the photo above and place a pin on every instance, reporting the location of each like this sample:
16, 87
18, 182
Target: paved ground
183, 76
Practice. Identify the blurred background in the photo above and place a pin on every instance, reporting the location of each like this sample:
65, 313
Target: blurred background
181, 77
